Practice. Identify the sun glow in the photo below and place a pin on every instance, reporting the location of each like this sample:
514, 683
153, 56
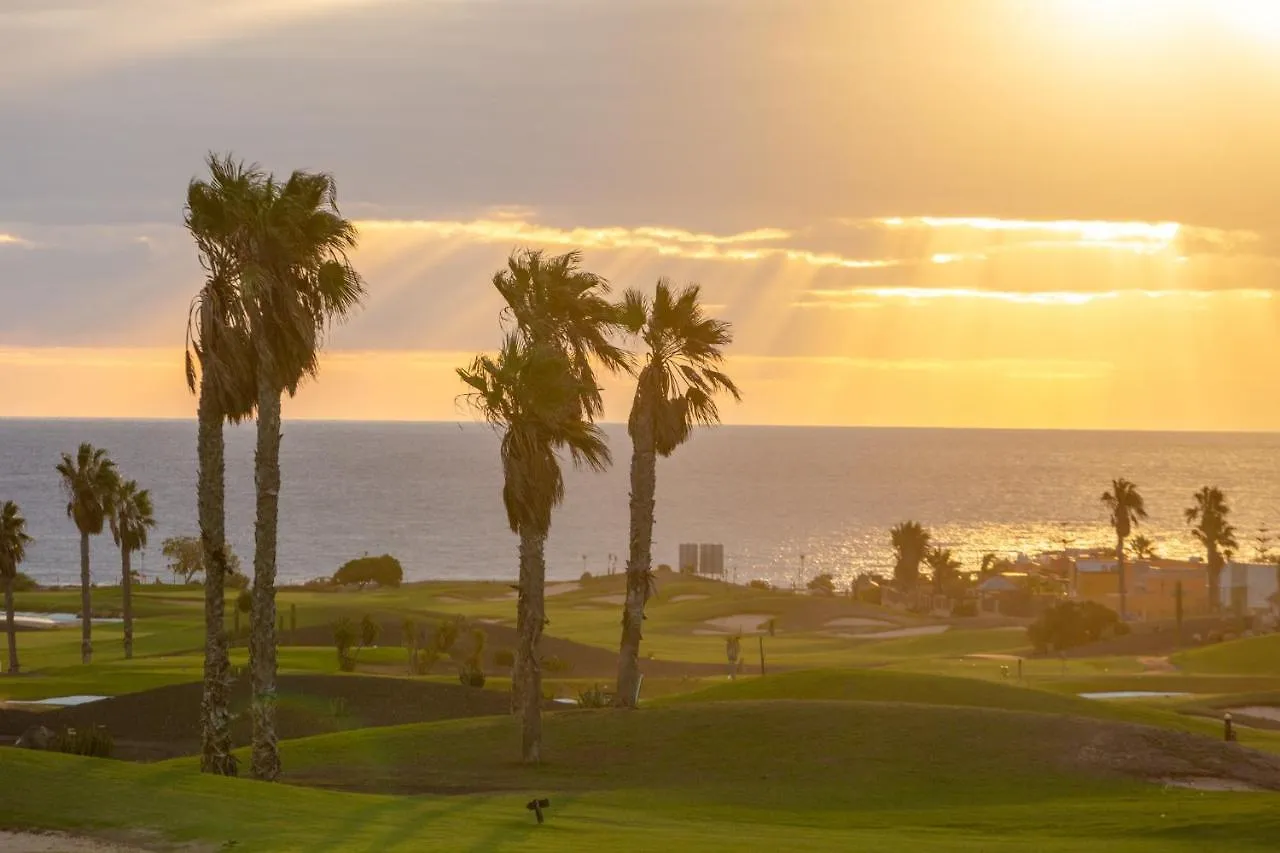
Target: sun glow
1123, 18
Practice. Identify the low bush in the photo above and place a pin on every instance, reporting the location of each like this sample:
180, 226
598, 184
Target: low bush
586, 576
504, 658
380, 571
244, 601
553, 664
94, 742
344, 640
760, 583
1068, 624
964, 608
471, 676
23, 582
823, 584
594, 697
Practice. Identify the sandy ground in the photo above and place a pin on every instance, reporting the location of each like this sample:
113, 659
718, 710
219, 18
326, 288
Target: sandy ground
451, 599
1258, 712
29, 842
678, 598
551, 589
741, 623
858, 622
922, 631
1157, 665
620, 598
992, 657
1208, 783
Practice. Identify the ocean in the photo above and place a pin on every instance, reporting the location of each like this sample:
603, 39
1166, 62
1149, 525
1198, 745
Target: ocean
430, 494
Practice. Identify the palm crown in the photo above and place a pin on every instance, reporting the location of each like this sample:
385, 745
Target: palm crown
90, 482
529, 391
1126, 506
680, 376
132, 516
1208, 518
13, 539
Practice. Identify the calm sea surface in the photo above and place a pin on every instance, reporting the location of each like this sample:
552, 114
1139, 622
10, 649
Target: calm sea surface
430, 494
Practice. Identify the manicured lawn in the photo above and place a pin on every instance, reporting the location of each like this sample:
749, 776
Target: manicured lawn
1250, 656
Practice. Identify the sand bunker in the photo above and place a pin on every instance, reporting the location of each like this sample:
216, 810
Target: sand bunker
858, 622
620, 598
1258, 712
992, 657
54, 842
59, 701
1207, 783
548, 591
450, 599
742, 623
922, 631
678, 598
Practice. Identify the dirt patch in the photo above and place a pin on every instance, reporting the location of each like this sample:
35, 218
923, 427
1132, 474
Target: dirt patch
57, 842
1160, 754
858, 622
164, 723
741, 623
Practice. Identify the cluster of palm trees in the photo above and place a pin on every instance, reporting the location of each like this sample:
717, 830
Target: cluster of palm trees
275, 254
1209, 518
98, 498
541, 392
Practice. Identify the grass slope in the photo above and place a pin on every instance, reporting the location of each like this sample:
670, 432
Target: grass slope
1251, 656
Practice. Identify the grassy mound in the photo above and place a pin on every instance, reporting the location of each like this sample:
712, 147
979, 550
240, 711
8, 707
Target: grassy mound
1251, 656
778, 755
164, 722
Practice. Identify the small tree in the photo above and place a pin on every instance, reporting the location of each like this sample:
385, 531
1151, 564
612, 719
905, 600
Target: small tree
471, 672
823, 584
187, 560
370, 630
409, 637
344, 638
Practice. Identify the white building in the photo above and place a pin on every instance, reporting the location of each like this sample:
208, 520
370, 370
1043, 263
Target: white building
1248, 587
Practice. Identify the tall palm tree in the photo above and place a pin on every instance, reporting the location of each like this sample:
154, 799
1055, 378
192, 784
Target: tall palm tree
910, 545
13, 550
944, 567
552, 302
1124, 503
675, 391
532, 393
290, 243
1210, 525
219, 361
131, 518
90, 482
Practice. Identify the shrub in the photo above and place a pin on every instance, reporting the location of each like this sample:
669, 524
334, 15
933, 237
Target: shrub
823, 584
344, 638
760, 583
504, 658
553, 663
594, 697
471, 676
1068, 624
447, 635
380, 571
94, 741
22, 582
586, 576
964, 608
370, 630
424, 659
244, 601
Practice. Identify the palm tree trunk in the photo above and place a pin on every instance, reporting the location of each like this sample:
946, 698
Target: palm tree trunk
262, 638
640, 558
126, 605
1215, 580
215, 711
9, 626
86, 603
1120, 568
530, 617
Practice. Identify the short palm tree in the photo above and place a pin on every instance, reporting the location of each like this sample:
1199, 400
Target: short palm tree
1142, 548
131, 517
290, 244
90, 482
1126, 507
910, 543
1209, 520
219, 361
944, 568
13, 550
676, 390
532, 394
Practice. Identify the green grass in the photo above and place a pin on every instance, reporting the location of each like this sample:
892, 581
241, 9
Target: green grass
1251, 656
786, 775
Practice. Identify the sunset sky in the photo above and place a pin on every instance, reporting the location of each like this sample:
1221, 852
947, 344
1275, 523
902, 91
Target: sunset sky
997, 213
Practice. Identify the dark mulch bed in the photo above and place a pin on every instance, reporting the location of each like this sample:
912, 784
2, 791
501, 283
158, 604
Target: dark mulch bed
164, 723
583, 660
